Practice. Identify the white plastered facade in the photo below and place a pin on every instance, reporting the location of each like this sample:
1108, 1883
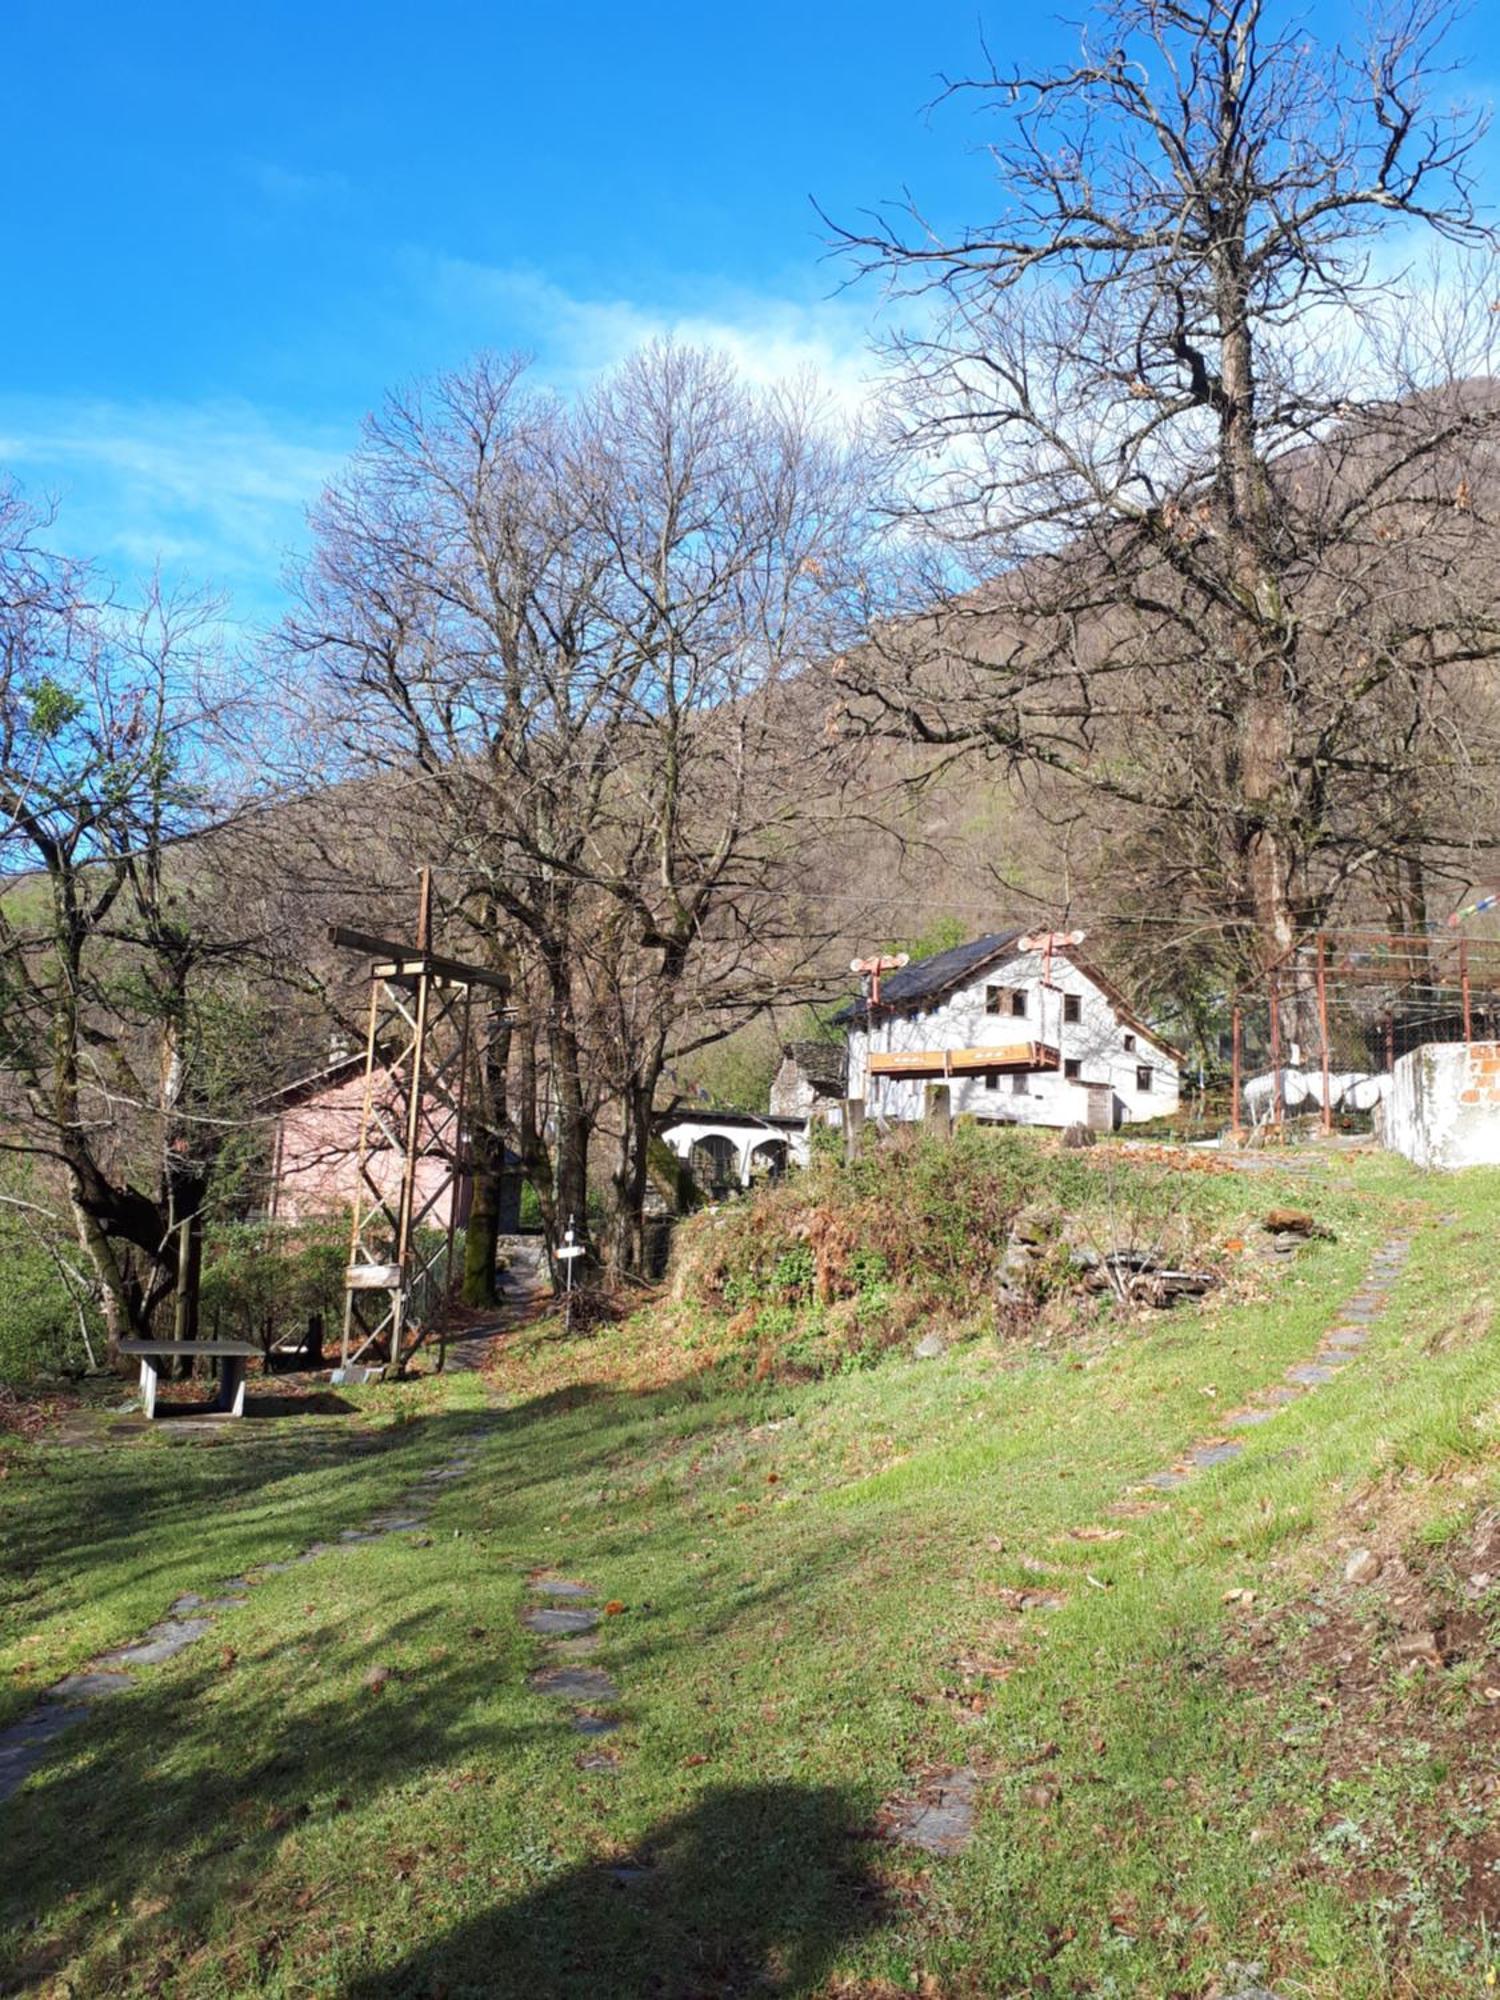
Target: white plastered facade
1114, 1054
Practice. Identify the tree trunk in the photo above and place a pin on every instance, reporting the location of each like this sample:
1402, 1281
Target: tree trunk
574, 1125
488, 1126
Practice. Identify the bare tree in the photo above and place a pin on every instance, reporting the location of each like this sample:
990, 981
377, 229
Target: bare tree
1206, 486
591, 636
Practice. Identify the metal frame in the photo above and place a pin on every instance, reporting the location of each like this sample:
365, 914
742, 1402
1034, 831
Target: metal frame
1339, 961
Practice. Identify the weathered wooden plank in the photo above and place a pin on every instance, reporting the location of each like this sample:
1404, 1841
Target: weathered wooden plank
214, 1349
1008, 1056
373, 1278
404, 961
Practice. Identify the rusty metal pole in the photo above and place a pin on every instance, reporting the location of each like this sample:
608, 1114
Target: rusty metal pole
1323, 1031
1273, 986
1463, 980
1234, 1074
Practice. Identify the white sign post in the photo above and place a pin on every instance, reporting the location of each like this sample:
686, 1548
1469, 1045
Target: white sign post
566, 1255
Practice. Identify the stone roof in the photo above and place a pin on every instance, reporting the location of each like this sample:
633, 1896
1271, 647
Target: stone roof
930, 977
824, 1064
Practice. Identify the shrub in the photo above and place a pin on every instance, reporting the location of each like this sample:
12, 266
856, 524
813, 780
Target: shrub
263, 1281
841, 1262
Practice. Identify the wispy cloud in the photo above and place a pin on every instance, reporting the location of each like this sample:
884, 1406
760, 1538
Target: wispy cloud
575, 338
218, 492
291, 186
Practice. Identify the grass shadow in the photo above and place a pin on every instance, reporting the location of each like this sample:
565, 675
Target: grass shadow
754, 1889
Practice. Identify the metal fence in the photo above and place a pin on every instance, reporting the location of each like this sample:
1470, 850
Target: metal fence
1319, 1032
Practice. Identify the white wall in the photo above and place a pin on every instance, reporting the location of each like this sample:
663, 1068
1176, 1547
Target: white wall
961, 1021
1443, 1105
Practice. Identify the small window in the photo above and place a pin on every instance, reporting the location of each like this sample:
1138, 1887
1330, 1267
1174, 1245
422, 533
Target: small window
1018, 1083
1143, 1076
1073, 1068
1072, 1007
1018, 1004
994, 999
992, 1079
1130, 1045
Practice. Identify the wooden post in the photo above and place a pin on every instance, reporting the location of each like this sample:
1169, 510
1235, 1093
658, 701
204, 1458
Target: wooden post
456, 1189
854, 1127
1323, 1031
1234, 1073
1463, 980
409, 1171
362, 1154
937, 1112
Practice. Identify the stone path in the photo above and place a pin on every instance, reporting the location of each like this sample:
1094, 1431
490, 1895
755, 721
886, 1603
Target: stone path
937, 1815
570, 1628
524, 1289
1344, 1339
25, 1744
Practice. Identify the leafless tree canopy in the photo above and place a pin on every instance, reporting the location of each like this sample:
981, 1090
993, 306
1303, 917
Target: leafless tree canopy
1202, 465
590, 637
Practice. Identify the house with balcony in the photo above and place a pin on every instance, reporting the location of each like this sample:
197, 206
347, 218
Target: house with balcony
1017, 1029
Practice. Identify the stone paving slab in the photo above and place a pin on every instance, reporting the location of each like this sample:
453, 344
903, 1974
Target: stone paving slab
558, 1622
573, 1683
940, 1820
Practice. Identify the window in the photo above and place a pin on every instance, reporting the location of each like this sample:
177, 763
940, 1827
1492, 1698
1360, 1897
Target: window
1143, 1076
1130, 1045
1018, 1003
1018, 1083
1072, 1007
994, 999
992, 1079
1073, 1068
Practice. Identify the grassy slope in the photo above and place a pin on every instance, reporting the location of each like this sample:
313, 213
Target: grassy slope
815, 1582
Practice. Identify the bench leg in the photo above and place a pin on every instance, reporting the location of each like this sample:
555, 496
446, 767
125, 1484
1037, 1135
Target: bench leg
148, 1385
231, 1397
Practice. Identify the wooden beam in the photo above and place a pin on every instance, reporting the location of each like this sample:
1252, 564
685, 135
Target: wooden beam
402, 961
1010, 1056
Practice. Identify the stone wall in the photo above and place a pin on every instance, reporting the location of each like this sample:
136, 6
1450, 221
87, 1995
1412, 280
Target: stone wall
1443, 1106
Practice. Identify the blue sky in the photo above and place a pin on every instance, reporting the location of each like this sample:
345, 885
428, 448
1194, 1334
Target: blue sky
229, 229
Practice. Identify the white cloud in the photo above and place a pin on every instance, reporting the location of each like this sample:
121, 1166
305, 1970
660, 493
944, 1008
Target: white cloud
575, 338
287, 185
218, 492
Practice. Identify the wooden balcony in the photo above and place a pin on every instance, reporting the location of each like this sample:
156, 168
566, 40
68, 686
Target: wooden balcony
1008, 1056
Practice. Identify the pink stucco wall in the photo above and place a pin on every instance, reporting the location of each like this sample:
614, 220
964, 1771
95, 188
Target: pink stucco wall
317, 1160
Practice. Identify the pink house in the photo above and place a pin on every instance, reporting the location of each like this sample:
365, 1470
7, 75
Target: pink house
316, 1158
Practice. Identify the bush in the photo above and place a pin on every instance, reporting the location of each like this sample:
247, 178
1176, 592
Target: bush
842, 1262
263, 1281
40, 1333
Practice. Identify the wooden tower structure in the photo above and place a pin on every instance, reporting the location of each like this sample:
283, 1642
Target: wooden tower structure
417, 1051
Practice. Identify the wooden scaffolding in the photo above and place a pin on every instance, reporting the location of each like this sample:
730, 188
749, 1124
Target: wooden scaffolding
417, 1051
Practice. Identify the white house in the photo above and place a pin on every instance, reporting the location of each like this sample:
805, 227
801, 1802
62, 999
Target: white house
728, 1149
1015, 1035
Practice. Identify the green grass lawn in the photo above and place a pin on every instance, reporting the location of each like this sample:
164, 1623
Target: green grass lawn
822, 1590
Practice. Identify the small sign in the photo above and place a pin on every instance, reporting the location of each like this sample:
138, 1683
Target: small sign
373, 1278
570, 1250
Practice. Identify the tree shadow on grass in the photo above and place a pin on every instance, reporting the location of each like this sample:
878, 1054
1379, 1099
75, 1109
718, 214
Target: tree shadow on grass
754, 1890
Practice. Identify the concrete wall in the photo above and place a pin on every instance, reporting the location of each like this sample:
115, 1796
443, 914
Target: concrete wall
1443, 1106
961, 1021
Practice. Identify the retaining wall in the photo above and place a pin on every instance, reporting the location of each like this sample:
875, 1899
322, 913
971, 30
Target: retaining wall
1443, 1105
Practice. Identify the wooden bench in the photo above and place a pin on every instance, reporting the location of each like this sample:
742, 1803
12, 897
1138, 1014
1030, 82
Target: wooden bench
231, 1356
